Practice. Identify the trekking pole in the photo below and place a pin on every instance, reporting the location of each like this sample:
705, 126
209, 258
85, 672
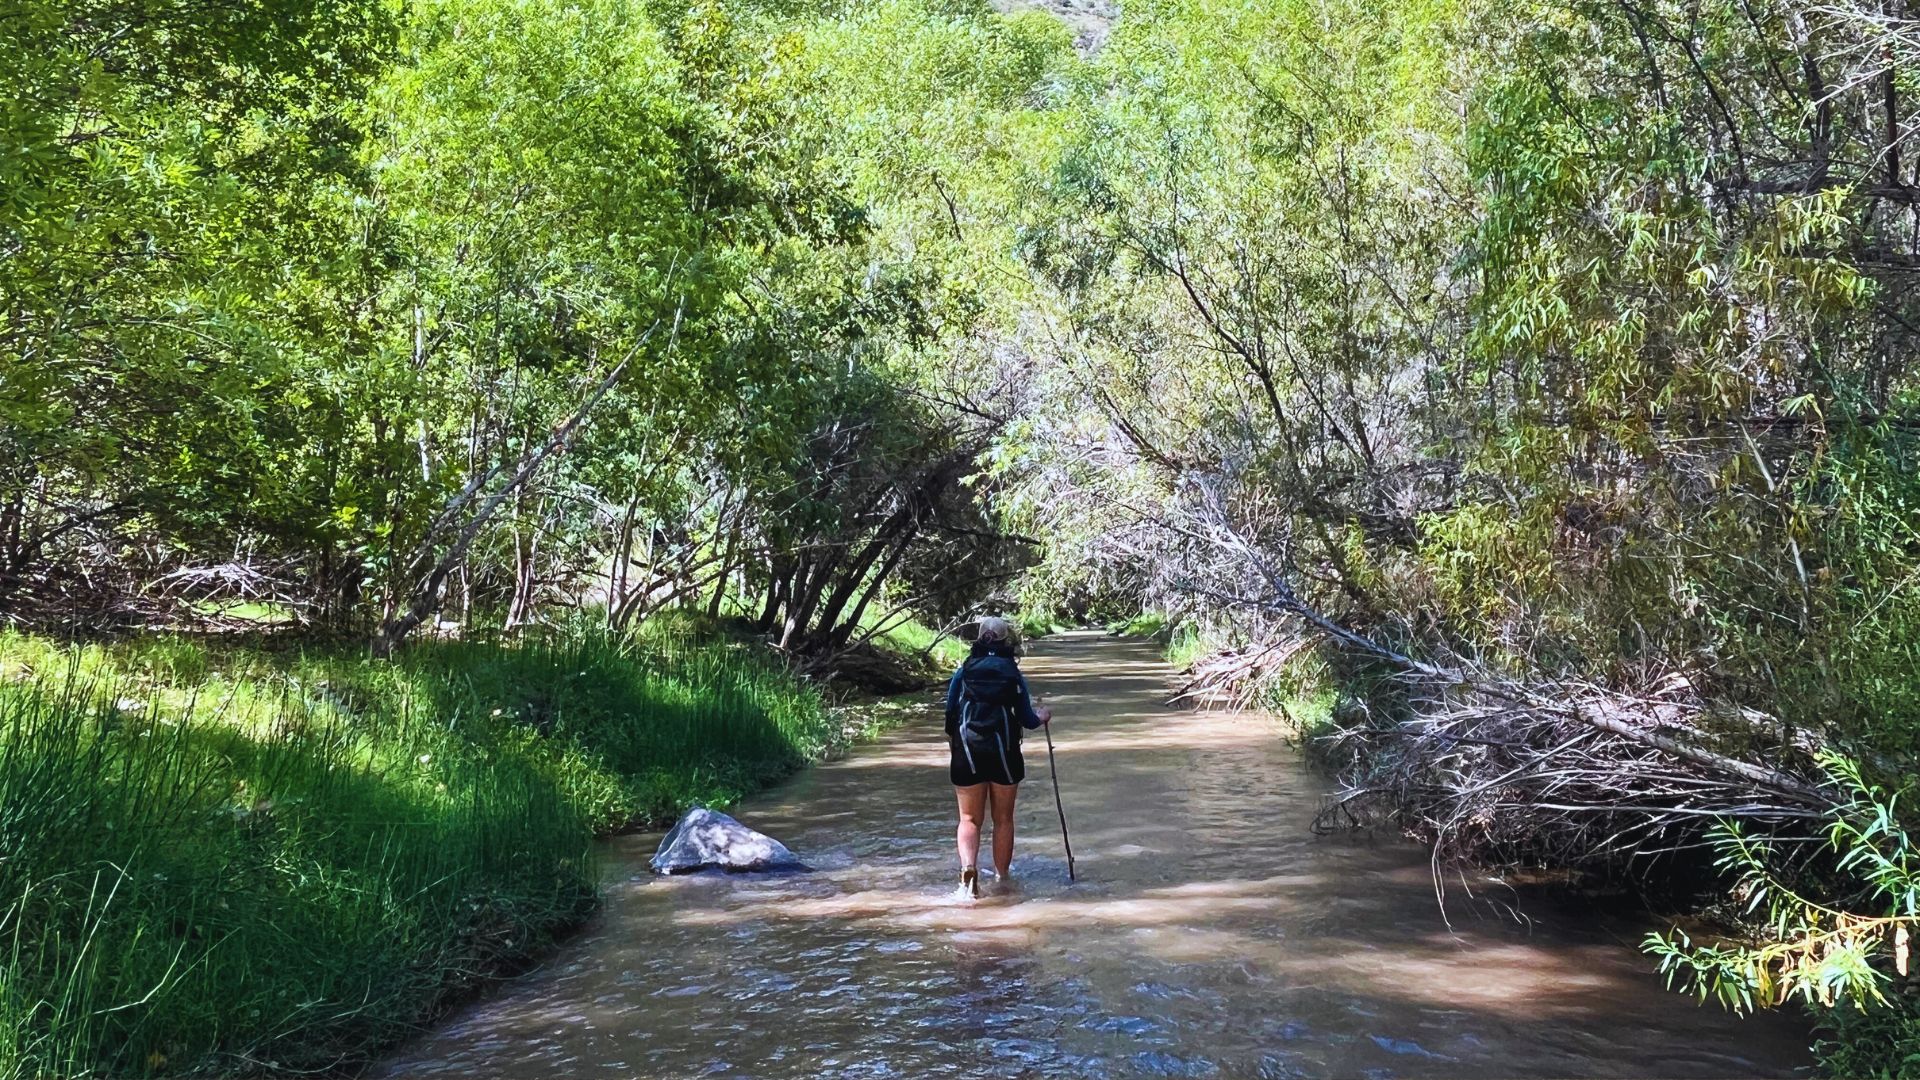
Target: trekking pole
1053, 770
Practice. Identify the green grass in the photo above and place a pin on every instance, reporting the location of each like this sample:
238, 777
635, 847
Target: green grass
1154, 625
1187, 644
915, 638
1035, 624
1303, 705
266, 614
223, 858
944, 651
1301, 696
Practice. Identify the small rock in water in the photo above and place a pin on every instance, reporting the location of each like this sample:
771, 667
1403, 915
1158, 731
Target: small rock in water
704, 838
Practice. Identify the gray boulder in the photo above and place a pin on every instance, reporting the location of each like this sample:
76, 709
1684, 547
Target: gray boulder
708, 839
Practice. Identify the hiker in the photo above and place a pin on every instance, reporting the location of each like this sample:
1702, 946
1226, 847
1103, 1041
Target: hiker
984, 699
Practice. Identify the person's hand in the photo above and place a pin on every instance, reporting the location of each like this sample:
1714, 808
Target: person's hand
1045, 714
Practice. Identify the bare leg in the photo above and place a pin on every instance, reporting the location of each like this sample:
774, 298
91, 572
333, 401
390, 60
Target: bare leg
973, 814
1003, 796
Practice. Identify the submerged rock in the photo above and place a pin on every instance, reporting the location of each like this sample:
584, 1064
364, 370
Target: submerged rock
704, 838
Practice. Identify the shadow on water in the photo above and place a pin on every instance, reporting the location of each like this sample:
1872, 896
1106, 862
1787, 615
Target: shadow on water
1210, 934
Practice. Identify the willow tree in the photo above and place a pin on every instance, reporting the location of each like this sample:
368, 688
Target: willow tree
1692, 349
1567, 349
542, 270
1251, 251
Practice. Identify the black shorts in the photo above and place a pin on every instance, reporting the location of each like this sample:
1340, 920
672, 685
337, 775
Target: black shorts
988, 767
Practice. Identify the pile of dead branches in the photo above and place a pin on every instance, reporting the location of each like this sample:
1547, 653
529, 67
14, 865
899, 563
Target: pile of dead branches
1241, 677
1511, 770
1567, 776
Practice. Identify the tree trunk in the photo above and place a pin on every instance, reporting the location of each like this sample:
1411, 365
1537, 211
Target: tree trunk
776, 582
426, 598
808, 586
844, 632
526, 556
718, 602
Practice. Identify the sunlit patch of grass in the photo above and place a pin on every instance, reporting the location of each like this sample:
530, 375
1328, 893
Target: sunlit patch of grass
264, 613
1186, 644
225, 858
1154, 625
912, 638
1301, 694
1305, 711
1036, 624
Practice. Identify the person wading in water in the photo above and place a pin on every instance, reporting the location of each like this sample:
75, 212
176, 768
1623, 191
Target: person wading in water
987, 706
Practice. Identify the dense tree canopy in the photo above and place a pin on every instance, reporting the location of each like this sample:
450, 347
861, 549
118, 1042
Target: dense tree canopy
298, 301
1561, 350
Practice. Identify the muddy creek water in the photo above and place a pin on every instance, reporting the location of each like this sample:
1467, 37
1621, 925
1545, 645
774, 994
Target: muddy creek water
1210, 934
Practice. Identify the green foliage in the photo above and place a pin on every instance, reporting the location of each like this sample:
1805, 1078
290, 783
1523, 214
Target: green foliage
1612, 323
1154, 625
1243, 240
1188, 643
172, 176
1857, 678
1851, 956
1878, 1040
1306, 693
293, 293
1571, 342
1036, 623
217, 858
914, 639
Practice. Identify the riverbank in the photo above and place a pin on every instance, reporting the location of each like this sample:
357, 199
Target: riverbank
244, 856
1816, 931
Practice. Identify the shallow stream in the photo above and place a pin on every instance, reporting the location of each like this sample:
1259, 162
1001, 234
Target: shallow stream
1210, 934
